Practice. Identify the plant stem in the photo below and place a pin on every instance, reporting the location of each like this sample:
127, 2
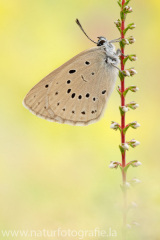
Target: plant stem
123, 126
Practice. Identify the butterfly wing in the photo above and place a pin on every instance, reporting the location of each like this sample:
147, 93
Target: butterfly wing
75, 93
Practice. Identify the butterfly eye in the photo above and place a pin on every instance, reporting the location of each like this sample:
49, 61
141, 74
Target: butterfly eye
101, 42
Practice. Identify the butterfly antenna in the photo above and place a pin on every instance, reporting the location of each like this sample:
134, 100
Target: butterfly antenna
77, 21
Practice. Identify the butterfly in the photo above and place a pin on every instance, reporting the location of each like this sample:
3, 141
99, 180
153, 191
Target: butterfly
77, 92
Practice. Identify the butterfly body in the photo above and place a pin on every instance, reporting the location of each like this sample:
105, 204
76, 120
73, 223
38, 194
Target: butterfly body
77, 92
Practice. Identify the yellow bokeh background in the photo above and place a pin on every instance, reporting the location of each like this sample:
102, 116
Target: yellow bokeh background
54, 175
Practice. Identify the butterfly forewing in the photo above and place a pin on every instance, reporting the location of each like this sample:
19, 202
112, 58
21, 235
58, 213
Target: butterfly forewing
77, 92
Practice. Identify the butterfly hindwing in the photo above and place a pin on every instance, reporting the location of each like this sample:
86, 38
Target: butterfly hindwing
77, 92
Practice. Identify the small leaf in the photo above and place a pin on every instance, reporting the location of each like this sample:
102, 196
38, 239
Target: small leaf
125, 30
121, 149
125, 92
121, 76
121, 112
126, 3
125, 59
119, 29
125, 129
126, 167
119, 92
119, 4
121, 44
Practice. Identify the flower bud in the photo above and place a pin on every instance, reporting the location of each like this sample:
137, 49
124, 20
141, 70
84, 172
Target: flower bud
133, 143
135, 163
124, 109
125, 41
119, 88
128, 226
131, 39
133, 88
130, 10
132, 26
132, 105
132, 71
127, 9
114, 164
118, 23
135, 224
126, 73
135, 125
115, 125
125, 146
134, 181
133, 58
133, 205
136, 143
136, 105
127, 185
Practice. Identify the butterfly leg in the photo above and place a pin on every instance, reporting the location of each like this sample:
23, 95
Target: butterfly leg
113, 62
119, 53
116, 67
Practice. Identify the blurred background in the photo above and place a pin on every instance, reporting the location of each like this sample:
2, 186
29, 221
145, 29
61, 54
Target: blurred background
54, 175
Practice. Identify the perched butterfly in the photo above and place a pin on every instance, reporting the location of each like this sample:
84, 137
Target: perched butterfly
77, 92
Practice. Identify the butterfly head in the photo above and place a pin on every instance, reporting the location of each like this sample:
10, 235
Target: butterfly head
107, 44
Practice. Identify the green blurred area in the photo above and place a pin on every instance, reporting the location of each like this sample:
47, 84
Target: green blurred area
55, 175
